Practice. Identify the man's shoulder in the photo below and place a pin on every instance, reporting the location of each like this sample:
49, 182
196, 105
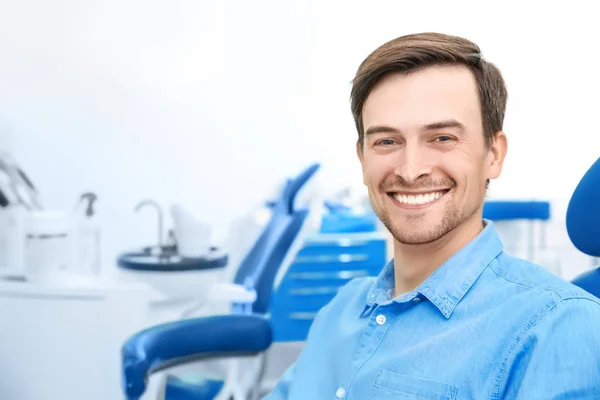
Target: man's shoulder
533, 281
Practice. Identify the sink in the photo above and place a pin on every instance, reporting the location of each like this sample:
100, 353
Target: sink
171, 274
166, 259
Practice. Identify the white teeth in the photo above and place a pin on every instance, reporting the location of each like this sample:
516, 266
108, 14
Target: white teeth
418, 199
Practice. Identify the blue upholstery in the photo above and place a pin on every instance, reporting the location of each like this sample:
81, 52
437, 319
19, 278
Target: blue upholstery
259, 268
180, 342
583, 214
178, 389
503, 210
589, 281
583, 225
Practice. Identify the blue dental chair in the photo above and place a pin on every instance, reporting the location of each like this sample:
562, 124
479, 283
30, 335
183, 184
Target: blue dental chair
583, 225
245, 332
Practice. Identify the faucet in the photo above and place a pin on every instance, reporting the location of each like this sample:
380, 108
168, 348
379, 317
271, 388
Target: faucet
149, 202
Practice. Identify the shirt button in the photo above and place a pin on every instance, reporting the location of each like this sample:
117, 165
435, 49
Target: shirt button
381, 319
340, 393
416, 300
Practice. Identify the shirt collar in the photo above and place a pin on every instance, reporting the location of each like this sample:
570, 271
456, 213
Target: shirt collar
447, 286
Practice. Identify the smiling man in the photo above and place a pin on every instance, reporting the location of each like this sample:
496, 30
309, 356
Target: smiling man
451, 316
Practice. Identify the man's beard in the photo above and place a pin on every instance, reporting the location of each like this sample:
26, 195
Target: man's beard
416, 233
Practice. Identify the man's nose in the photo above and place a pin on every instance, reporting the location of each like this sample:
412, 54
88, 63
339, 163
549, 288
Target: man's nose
413, 164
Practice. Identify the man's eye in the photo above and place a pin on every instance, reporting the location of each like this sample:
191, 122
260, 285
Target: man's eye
386, 142
443, 139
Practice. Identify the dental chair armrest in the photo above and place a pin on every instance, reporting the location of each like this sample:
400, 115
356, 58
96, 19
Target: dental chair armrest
231, 292
185, 341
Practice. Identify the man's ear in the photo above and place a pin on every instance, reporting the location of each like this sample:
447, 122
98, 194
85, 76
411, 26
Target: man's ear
361, 156
496, 154
359, 150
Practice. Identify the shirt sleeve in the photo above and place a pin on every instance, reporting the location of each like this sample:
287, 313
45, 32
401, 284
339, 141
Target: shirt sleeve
557, 357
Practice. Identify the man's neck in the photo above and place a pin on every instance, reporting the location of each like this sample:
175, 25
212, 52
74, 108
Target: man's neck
413, 264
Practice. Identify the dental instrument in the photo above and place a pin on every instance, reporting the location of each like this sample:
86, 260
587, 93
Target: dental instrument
4, 202
20, 184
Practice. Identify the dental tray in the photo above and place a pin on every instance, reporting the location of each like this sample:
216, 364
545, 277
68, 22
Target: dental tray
167, 260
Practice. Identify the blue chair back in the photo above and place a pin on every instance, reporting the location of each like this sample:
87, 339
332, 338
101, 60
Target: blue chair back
583, 225
259, 267
583, 213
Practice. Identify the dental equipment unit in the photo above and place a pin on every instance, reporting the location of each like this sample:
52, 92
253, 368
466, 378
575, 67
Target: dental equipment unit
183, 278
245, 331
347, 246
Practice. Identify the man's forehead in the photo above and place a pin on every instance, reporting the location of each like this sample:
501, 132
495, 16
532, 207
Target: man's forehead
429, 94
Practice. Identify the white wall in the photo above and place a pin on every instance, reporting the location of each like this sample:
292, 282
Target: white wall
212, 103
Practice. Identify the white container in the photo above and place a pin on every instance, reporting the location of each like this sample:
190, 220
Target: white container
12, 239
48, 246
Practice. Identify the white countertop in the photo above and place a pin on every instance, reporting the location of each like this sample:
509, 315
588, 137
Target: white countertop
16, 284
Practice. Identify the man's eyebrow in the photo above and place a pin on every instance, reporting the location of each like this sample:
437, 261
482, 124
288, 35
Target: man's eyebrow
380, 129
448, 123
433, 126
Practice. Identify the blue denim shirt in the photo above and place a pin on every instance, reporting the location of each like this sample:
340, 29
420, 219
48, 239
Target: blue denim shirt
485, 325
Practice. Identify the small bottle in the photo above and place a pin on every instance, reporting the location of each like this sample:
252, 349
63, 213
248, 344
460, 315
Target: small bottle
89, 239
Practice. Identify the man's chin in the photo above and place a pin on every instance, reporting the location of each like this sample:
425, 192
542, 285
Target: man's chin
417, 238
418, 231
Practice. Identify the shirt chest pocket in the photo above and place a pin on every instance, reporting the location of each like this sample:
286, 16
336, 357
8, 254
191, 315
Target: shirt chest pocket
390, 385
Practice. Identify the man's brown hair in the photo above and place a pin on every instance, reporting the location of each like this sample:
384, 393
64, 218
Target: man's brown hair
413, 52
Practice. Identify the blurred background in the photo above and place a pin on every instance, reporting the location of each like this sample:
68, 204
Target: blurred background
211, 104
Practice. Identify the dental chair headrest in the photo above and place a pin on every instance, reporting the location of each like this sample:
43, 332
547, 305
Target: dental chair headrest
583, 214
293, 186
